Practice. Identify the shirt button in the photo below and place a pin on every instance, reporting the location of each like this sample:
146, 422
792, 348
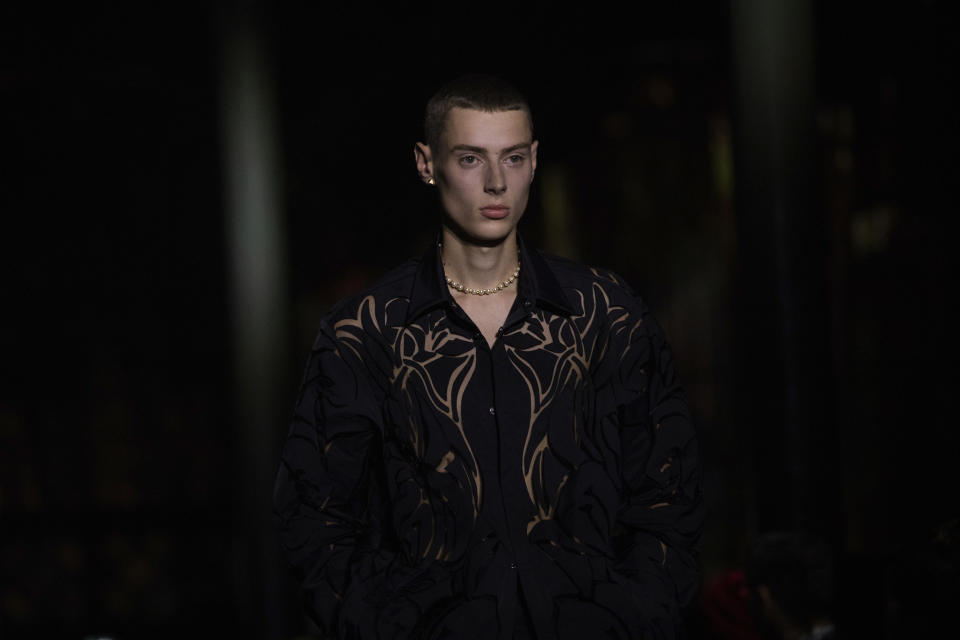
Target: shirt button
513, 565
493, 411
477, 336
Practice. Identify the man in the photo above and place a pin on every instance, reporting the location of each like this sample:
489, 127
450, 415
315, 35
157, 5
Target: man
490, 442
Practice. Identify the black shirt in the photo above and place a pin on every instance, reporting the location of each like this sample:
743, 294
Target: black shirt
433, 486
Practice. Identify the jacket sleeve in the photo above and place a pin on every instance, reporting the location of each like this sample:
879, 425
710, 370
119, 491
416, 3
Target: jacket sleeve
323, 494
662, 510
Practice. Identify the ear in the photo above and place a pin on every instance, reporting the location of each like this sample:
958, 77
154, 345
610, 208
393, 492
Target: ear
424, 159
533, 158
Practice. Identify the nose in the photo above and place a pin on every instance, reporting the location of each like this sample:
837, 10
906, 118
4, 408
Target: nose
495, 181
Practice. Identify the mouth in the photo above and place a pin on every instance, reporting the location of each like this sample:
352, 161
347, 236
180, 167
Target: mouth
495, 211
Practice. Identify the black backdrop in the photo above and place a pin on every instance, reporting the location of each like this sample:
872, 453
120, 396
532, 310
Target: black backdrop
805, 288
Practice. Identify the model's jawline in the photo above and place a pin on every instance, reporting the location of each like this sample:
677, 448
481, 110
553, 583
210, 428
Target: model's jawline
470, 239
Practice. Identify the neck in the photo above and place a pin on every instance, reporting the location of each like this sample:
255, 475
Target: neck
478, 266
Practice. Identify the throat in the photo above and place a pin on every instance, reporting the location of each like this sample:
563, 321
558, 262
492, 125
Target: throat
479, 270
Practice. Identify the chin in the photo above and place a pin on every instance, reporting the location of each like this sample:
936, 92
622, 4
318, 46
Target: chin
486, 232
487, 238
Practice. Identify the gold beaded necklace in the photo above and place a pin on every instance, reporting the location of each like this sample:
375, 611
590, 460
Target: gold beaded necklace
483, 292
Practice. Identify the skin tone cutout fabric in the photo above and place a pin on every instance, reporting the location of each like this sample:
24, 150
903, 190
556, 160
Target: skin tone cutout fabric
431, 481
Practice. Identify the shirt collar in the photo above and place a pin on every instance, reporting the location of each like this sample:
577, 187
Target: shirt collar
537, 282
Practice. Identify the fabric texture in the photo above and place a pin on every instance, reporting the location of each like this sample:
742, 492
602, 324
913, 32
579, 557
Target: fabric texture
430, 484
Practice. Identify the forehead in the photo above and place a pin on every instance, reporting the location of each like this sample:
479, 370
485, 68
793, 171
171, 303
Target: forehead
488, 129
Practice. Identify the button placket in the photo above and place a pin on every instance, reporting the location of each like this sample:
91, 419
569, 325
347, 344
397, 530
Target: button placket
528, 309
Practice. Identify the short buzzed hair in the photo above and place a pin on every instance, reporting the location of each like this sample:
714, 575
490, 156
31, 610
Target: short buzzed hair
482, 92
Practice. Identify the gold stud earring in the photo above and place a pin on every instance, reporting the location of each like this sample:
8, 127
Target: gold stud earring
431, 182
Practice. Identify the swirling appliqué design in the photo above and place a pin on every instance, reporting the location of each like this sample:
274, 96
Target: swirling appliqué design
432, 487
419, 350
555, 338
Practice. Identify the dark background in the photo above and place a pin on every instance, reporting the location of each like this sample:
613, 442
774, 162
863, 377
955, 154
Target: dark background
776, 181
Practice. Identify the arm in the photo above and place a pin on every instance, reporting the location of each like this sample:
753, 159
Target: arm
322, 492
662, 511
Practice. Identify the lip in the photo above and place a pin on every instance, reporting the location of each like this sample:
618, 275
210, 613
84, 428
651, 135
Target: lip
495, 211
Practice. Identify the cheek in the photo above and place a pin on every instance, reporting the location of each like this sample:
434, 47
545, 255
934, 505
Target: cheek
521, 183
458, 186
454, 197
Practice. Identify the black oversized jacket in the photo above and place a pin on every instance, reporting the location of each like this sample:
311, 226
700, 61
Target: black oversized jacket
430, 485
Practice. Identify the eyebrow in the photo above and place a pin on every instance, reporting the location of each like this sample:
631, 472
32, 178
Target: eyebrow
468, 147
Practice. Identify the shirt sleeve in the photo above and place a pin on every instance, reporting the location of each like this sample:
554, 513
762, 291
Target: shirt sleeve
662, 509
325, 497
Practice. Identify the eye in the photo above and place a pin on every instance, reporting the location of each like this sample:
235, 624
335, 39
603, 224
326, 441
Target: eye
469, 160
515, 159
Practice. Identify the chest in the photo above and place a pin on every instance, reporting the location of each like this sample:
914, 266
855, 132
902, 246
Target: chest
517, 414
488, 313
525, 367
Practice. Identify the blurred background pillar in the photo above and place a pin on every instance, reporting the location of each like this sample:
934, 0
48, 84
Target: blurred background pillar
258, 311
785, 390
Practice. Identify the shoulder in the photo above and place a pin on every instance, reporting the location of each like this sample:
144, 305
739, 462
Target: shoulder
377, 306
588, 286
